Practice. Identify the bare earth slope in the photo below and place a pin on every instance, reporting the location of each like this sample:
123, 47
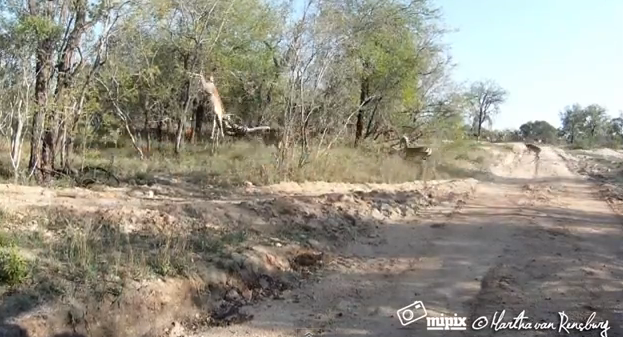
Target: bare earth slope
536, 237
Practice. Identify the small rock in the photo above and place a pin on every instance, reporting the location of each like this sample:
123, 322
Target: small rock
232, 295
177, 330
344, 306
315, 244
408, 211
247, 294
377, 214
312, 225
347, 198
264, 283
387, 209
308, 259
374, 311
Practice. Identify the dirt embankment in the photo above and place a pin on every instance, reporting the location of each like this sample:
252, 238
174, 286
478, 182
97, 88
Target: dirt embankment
531, 236
605, 168
152, 262
536, 237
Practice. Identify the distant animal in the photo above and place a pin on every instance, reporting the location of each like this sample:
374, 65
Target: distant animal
534, 149
415, 152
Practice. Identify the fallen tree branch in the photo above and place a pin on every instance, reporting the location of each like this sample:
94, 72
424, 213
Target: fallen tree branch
85, 176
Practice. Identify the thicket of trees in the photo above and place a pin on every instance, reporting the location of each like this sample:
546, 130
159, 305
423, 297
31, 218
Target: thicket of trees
78, 73
581, 127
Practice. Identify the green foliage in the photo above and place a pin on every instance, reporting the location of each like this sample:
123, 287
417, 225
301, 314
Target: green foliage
387, 50
589, 126
14, 269
539, 130
37, 28
310, 72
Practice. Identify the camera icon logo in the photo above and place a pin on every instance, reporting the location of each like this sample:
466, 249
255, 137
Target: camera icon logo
411, 313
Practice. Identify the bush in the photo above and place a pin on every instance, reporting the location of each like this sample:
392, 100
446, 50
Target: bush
13, 268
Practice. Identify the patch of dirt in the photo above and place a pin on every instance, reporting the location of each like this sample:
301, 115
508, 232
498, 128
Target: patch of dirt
608, 174
614, 154
259, 245
342, 259
537, 238
213, 297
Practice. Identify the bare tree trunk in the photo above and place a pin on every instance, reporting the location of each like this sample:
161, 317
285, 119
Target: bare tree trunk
63, 143
64, 83
38, 122
193, 123
199, 114
179, 134
480, 121
16, 146
363, 96
147, 133
372, 127
181, 120
133, 139
160, 133
35, 143
17, 127
43, 70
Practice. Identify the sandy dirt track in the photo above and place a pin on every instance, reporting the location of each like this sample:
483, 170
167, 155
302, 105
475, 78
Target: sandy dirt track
535, 237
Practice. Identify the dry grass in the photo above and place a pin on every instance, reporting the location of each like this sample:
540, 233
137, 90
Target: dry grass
240, 162
54, 256
59, 246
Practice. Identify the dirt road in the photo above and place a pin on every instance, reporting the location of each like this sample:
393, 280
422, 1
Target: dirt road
536, 237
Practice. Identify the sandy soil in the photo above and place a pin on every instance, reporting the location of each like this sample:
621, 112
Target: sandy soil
531, 236
606, 153
536, 237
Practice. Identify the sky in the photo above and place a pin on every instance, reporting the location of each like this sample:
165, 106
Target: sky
546, 53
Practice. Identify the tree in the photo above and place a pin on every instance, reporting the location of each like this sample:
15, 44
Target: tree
595, 122
539, 130
571, 119
56, 32
615, 129
106, 72
584, 126
386, 80
485, 98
